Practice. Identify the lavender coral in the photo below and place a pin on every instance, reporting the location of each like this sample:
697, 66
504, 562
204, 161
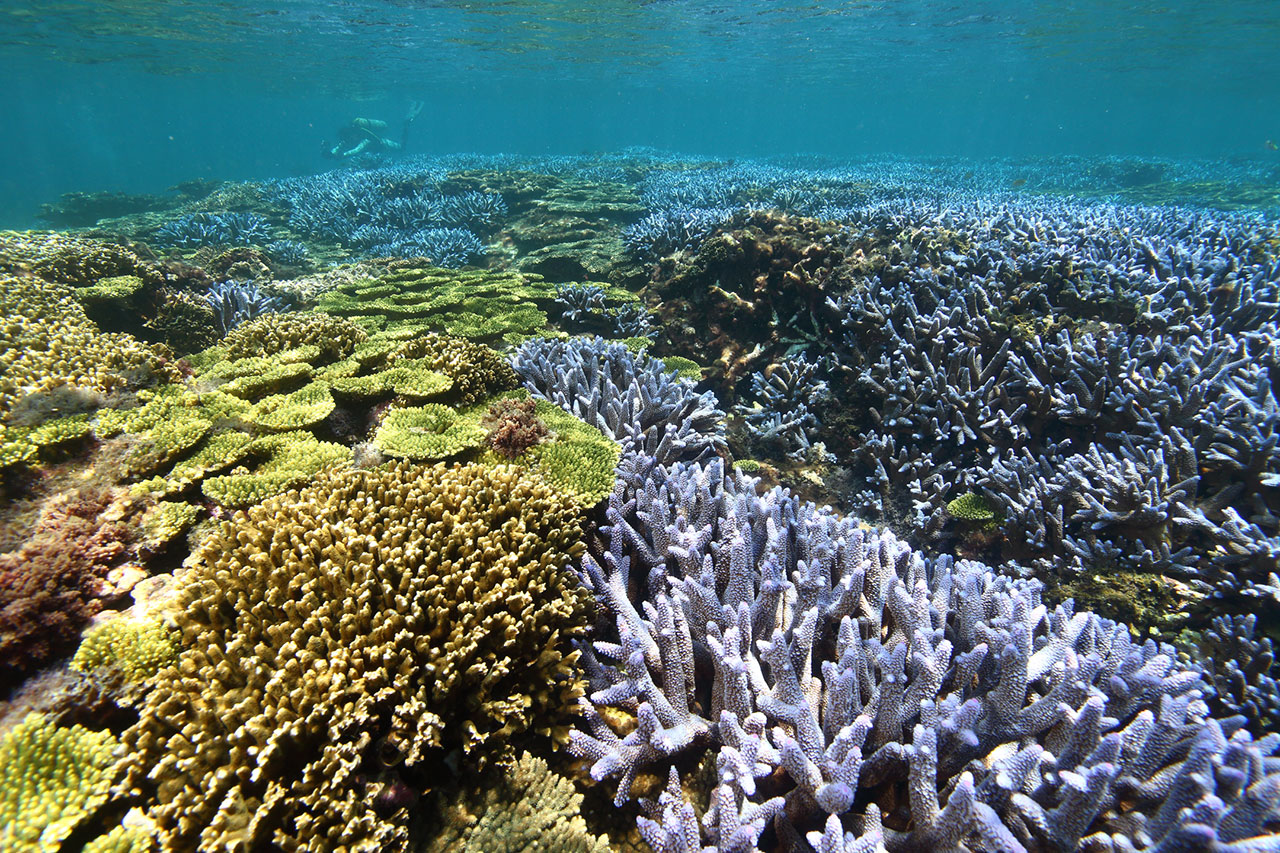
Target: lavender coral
632, 399
910, 704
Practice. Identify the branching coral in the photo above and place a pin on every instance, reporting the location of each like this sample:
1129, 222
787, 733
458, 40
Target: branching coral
634, 400
917, 705
346, 639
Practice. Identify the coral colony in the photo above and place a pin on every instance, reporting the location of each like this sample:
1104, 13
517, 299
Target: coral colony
626, 500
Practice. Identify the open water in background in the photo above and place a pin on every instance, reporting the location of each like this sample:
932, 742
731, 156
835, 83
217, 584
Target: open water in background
135, 95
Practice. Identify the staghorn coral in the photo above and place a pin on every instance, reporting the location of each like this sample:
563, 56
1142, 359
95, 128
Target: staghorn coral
195, 230
918, 705
528, 807
343, 640
54, 779
635, 400
779, 418
236, 302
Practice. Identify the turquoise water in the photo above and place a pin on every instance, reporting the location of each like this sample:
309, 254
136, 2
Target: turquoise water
136, 96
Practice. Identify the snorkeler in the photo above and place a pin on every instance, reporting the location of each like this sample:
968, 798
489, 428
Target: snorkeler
368, 136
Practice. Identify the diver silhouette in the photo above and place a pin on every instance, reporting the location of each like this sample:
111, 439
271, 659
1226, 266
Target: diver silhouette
369, 136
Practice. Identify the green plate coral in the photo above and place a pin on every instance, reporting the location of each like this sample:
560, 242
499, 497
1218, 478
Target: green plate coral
480, 305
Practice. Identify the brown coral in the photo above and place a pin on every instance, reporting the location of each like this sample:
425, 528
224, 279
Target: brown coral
56, 580
513, 426
342, 642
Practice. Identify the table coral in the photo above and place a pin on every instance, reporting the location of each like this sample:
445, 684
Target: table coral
340, 642
430, 432
477, 304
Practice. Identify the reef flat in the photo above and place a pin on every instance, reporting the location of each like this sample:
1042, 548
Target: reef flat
633, 501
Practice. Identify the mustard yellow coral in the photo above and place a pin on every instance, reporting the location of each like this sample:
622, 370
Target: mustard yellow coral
53, 779
335, 338
344, 640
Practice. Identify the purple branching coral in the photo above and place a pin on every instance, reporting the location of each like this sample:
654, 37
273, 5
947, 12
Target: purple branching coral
632, 399
780, 417
864, 698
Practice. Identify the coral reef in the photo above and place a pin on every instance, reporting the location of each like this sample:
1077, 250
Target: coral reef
1062, 412
72, 260
780, 417
574, 457
347, 639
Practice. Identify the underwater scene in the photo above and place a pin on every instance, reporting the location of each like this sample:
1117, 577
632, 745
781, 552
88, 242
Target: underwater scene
672, 426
